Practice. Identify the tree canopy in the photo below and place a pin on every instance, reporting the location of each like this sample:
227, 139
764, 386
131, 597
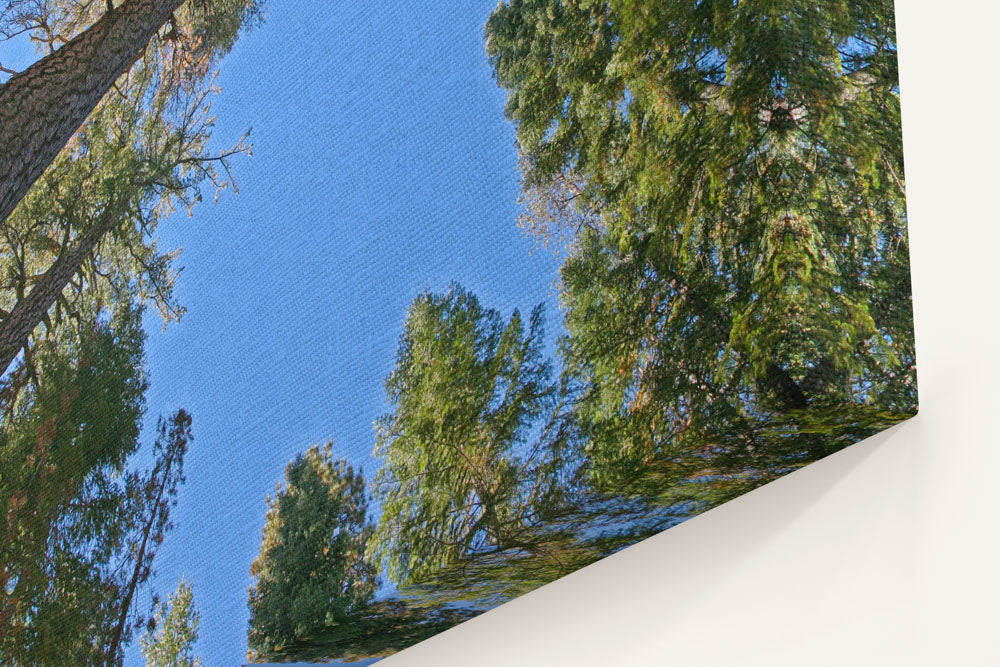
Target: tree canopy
90, 46
82, 526
63, 448
78, 264
724, 181
311, 571
85, 233
170, 641
738, 293
474, 448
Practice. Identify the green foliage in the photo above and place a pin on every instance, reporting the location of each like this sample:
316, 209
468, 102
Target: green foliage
151, 498
474, 448
379, 630
82, 528
211, 28
725, 179
131, 164
311, 571
141, 154
62, 453
77, 519
749, 269
171, 643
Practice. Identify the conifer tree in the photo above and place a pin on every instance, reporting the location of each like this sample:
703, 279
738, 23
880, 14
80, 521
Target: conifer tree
170, 642
81, 527
474, 450
738, 301
88, 224
41, 107
311, 571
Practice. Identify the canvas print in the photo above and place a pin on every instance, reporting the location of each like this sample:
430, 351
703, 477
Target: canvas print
325, 327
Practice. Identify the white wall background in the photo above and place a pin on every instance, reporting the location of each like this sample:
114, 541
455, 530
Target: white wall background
887, 553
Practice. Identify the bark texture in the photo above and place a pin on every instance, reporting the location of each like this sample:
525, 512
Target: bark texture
29, 311
41, 107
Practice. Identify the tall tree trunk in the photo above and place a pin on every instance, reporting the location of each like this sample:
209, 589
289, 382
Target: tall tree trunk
41, 107
29, 311
165, 487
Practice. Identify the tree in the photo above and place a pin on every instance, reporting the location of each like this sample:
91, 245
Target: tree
61, 451
311, 571
742, 305
171, 644
78, 264
474, 450
43, 106
80, 527
142, 152
158, 495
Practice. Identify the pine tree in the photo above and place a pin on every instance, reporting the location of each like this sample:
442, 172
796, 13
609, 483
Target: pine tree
170, 642
311, 571
474, 450
43, 106
741, 304
142, 152
152, 520
81, 527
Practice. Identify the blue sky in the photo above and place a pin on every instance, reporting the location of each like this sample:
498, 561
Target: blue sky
382, 166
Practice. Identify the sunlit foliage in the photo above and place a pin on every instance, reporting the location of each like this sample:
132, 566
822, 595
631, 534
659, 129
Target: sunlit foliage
475, 447
142, 153
81, 527
311, 571
174, 631
741, 305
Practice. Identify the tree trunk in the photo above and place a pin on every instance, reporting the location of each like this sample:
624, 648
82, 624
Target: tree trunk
140, 557
41, 107
29, 311
788, 391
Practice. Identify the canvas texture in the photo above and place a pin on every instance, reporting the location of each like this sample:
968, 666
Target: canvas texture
472, 297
